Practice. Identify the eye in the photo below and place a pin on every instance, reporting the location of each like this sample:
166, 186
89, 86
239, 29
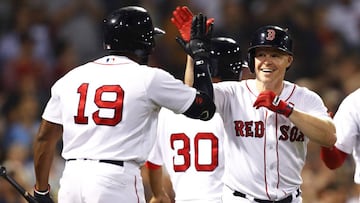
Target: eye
260, 54
275, 55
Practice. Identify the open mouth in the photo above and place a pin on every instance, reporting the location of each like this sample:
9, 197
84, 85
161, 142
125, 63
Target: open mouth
266, 70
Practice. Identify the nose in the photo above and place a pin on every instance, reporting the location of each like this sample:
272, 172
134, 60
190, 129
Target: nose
267, 59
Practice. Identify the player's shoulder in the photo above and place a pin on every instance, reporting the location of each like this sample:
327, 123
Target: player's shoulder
298, 89
230, 84
355, 94
353, 97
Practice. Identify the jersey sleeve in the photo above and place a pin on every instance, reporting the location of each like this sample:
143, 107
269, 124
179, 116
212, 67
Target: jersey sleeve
312, 104
347, 124
51, 112
166, 91
155, 155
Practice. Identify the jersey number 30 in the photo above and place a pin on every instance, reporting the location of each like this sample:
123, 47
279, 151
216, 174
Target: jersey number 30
116, 105
185, 151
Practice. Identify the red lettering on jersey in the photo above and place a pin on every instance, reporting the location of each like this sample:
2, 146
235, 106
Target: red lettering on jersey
292, 134
248, 129
239, 125
284, 132
259, 128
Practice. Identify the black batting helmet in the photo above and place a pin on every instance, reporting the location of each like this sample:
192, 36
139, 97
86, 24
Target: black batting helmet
130, 30
269, 36
226, 58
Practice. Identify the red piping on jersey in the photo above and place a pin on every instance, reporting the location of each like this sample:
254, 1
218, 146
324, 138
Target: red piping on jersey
277, 150
266, 188
136, 192
246, 83
292, 92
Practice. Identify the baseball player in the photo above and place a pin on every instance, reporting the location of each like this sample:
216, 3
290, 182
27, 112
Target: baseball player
347, 122
106, 112
269, 122
191, 150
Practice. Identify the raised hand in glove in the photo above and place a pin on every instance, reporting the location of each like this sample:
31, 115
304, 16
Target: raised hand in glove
43, 196
272, 102
199, 44
182, 19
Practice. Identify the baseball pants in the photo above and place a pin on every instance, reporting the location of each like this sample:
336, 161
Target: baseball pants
91, 181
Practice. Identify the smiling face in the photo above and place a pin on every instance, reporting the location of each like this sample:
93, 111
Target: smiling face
270, 68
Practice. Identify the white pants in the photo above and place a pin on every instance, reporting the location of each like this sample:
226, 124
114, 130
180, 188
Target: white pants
229, 197
88, 181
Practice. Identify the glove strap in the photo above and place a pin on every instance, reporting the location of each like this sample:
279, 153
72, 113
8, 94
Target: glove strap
290, 108
42, 192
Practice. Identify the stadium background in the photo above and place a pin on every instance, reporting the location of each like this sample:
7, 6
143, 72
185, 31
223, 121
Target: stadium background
41, 40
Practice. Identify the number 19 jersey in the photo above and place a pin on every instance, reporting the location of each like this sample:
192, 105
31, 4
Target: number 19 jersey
108, 108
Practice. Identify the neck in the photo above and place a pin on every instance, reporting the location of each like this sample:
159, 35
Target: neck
276, 88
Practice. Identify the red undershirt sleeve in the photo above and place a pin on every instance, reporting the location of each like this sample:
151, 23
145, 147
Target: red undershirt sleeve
332, 157
152, 166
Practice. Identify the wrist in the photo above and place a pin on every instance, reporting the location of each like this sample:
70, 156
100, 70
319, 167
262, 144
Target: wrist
289, 109
42, 191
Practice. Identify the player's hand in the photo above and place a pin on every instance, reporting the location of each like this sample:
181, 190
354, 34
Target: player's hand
271, 101
43, 196
182, 19
199, 44
161, 199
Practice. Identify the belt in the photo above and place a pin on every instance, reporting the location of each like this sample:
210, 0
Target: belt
118, 163
288, 199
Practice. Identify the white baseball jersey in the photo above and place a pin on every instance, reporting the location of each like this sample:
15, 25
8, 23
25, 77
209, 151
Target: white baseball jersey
347, 122
109, 108
265, 152
192, 153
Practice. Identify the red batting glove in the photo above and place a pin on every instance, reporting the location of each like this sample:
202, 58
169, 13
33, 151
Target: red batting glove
182, 19
272, 102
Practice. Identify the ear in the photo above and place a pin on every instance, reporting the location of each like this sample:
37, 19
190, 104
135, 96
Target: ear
290, 59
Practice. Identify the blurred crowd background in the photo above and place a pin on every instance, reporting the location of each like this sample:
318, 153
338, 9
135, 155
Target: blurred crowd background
40, 40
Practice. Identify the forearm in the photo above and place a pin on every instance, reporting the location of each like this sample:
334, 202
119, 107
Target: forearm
44, 151
189, 71
155, 179
321, 131
202, 77
43, 158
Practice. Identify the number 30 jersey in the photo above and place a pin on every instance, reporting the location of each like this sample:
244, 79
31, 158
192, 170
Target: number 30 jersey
192, 153
109, 108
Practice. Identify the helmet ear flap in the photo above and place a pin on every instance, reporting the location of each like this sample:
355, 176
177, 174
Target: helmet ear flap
251, 60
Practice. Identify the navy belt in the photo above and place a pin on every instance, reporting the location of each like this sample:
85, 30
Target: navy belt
118, 163
288, 199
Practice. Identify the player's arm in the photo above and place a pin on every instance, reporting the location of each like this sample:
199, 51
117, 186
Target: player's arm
332, 157
44, 150
317, 129
155, 180
189, 71
199, 49
182, 18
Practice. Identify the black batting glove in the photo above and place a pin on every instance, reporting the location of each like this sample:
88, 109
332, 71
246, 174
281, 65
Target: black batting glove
200, 37
42, 196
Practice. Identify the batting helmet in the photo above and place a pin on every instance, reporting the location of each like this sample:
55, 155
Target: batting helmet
226, 58
269, 36
130, 30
